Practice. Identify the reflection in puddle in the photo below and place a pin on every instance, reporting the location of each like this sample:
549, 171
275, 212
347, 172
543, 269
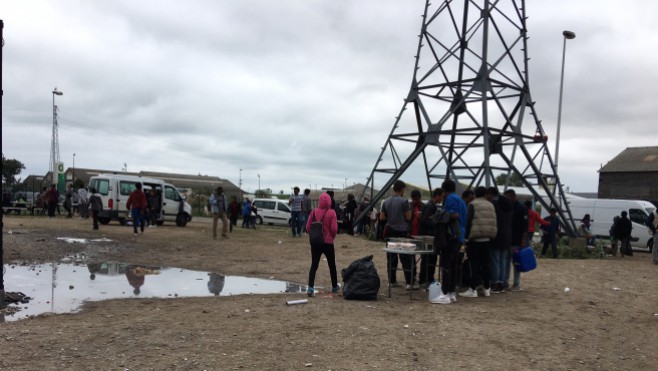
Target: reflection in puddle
82, 240
63, 287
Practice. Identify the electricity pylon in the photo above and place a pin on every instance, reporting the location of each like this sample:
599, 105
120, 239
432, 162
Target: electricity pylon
469, 115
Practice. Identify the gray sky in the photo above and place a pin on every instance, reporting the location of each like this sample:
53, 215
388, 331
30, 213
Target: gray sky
300, 92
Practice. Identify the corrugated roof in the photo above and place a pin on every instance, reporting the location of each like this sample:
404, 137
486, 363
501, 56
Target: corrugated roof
633, 160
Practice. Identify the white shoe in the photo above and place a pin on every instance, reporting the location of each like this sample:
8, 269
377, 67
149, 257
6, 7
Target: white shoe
408, 287
441, 299
453, 297
470, 293
486, 292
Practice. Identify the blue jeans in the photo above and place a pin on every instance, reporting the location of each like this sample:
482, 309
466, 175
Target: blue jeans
138, 218
303, 220
499, 265
295, 223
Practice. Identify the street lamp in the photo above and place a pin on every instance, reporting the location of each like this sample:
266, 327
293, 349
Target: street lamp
240, 184
54, 145
568, 35
73, 171
258, 182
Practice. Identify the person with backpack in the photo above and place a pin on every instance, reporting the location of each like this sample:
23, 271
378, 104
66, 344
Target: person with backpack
322, 227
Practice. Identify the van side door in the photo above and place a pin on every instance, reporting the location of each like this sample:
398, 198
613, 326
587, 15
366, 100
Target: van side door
170, 203
125, 189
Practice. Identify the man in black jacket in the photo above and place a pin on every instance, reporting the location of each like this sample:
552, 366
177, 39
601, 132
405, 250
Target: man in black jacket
428, 261
623, 232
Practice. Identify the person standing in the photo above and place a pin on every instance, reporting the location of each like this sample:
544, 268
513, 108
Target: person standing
349, 214
652, 223
219, 207
481, 229
416, 208
501, 247
327, 215
306, 207
82, 203
96, 206
623, 231
448, 238
519, 236
550, 230
246, 213
68, 201
427, 228
396, 214
295, 203
137, 205
52, 199
364, 219
234, 213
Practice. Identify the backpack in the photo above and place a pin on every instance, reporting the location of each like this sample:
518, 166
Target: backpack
315, 234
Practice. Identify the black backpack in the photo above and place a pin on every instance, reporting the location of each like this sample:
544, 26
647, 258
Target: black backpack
315, 234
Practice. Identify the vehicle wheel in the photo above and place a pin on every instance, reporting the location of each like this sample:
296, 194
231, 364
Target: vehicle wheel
122, 221
650, 244
260, 220
181, 220
104, 221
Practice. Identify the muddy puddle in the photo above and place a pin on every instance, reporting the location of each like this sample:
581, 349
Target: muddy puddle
63, 287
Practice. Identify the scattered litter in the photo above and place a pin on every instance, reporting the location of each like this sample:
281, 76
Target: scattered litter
406, 326
616, 288
72, 240
566, 289
295, 302
247, 310
308, 364
101, 240
655, 314
279, 242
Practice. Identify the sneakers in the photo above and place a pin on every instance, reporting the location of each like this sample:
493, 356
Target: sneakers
453, 297
135, 235
516, 288
334, 290
310, 291
470, 293
441, 299
407, 287
486, 292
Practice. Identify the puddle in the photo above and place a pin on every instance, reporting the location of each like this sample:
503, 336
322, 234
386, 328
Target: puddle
82, 240
63, 287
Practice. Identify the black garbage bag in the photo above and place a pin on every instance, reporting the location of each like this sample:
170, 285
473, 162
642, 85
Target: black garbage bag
360, 280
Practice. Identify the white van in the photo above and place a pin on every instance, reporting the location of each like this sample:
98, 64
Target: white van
116, 188
272, 211
602, 212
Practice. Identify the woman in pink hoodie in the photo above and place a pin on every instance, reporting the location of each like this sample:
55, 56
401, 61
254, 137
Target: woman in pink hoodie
327, 215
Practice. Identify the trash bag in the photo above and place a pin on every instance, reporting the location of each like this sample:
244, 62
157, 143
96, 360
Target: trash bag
360, 280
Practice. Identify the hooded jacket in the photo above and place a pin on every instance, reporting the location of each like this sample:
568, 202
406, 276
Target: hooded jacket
325, 213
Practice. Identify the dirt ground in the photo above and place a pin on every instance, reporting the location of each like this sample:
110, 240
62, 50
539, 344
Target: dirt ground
593, 326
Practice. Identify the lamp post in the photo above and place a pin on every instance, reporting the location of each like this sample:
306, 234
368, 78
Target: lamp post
73, 171
240, 184
259, 182
54, 146
568, 35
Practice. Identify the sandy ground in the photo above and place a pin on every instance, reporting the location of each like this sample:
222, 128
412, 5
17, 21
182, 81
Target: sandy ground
593, 326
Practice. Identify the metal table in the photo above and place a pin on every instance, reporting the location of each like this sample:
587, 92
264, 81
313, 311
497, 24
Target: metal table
421, 249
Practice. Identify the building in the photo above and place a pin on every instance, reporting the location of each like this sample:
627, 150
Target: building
632, 175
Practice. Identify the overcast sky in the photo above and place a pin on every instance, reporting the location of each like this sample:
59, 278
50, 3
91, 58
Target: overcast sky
300, 92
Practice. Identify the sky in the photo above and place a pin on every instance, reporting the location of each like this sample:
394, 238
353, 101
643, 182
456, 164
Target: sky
290, 92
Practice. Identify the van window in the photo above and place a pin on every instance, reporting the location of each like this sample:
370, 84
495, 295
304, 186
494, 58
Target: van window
283, 207
638, 216
267, 205
102, 186
171, 194
126, 188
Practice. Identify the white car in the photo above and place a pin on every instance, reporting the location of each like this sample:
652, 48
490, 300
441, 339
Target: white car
272, 211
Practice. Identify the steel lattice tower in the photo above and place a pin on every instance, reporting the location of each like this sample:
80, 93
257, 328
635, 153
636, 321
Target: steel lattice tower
471, 115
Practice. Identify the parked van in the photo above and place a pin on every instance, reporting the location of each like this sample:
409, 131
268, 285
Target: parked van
272, 211
116, 188
603, 211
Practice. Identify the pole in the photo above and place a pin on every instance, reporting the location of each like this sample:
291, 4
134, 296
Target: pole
567, 35
2, 225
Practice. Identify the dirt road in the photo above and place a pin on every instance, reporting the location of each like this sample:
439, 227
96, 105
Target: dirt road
608, 320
